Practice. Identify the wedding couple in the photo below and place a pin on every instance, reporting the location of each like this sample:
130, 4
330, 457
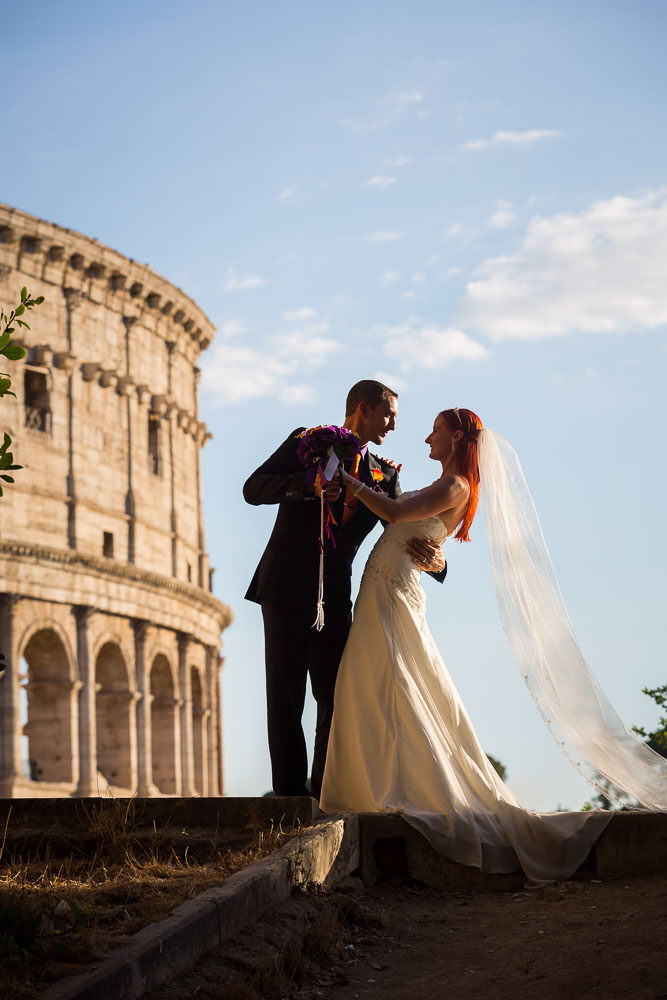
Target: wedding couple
399, 738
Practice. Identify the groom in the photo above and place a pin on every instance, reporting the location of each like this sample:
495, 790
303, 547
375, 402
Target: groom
285, 582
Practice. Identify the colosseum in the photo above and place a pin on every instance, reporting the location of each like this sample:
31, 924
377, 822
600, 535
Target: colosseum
110, 632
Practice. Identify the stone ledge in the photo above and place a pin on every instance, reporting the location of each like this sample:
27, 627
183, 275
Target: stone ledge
125, 572
212, 812
633, 843
325, 853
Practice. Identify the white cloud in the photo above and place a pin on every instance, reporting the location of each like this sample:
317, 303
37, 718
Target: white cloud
396, 162
234, 373
298, 393
236, 282
389, 277
393, 381
427, 345
451, 272
384, 111
401, 102
511, 139
380, 181
409, 294
418, 278
383, 236
233, 328
307, 344
454, 230
601, 270
504, 216
299, 314
288, 193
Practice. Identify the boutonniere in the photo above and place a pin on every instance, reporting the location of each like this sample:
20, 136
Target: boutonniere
378, 475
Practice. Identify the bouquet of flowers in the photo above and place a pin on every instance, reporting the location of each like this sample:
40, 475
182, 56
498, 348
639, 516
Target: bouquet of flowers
321, 450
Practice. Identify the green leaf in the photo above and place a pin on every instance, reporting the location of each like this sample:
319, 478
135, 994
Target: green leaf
7, 479
14, 352
39, 300
22, 322
10, 329
19, 310
4, 340
24, 294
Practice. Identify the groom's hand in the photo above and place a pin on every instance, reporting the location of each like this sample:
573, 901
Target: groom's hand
426, 554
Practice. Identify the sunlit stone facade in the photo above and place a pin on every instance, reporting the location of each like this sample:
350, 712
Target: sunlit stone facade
107, 621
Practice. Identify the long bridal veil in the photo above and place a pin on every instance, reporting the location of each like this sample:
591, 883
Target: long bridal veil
540, 635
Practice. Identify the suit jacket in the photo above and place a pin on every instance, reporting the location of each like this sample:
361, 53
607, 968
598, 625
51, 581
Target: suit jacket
288, 570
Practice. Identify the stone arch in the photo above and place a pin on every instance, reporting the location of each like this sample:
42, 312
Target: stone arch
199, 743
103, 635
33, 623
163, 726
115, 717
48, 692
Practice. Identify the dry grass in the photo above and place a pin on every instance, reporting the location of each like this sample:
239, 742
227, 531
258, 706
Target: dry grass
60, 909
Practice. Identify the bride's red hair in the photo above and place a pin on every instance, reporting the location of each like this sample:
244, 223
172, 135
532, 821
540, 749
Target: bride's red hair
459, 419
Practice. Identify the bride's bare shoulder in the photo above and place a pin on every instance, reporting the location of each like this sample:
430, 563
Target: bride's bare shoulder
457, 487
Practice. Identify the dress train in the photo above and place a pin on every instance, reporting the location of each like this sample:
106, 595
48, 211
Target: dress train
402, 742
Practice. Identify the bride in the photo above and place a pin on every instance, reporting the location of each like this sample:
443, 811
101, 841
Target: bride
401, 740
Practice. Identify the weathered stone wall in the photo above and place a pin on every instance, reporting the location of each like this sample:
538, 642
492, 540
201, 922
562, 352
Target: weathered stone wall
102, 552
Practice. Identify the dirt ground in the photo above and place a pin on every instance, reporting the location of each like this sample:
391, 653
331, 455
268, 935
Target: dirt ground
570, 941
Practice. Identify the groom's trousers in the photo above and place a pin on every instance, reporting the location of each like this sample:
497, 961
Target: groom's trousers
295, 651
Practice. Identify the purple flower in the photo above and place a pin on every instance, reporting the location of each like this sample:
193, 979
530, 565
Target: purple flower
317, 444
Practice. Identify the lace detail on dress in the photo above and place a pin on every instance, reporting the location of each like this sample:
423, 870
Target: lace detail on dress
413, 595
389, 561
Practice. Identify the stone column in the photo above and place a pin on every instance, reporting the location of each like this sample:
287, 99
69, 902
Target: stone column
201, 555
10, 720
75, 694
178, 771
88, 783
130, 505
72, 301
171, 347
213, 722
204, 724
218, 716
187, 746
145, 786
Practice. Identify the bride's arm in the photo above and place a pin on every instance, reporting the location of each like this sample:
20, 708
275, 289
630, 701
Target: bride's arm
446, 493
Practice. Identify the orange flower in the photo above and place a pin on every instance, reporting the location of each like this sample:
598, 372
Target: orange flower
377, 475
310, 430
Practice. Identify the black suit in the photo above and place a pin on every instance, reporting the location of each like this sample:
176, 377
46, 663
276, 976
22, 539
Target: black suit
285, 585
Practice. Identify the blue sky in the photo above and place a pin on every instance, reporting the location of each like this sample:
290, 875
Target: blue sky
469, 201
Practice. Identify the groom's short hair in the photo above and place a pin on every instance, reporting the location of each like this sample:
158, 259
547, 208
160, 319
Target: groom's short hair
367, 391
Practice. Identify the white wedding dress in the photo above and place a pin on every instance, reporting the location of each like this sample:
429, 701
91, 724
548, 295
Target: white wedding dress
402, 742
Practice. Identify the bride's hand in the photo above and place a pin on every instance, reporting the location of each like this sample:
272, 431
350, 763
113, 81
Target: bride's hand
426, 554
